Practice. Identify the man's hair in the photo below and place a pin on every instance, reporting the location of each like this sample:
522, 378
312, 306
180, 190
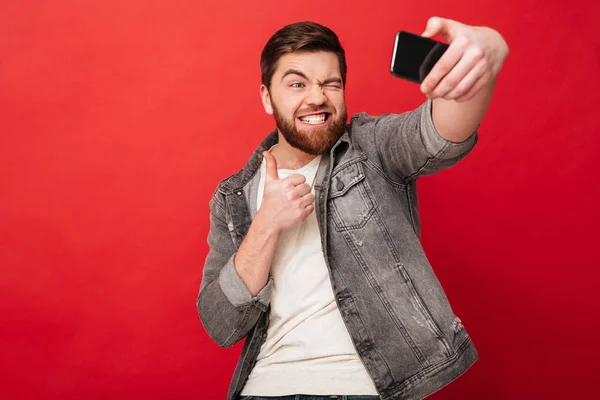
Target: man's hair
300, 36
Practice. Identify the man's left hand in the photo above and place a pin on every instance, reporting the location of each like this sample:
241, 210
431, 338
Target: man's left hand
472, 61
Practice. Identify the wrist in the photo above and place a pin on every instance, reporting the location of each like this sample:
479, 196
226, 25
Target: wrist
265, 225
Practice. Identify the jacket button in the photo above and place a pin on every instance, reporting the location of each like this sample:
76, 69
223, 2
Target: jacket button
339, 185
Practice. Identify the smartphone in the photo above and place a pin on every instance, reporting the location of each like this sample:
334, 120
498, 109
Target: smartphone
414, 56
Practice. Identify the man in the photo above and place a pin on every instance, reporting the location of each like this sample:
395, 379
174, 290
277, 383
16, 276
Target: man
315, 255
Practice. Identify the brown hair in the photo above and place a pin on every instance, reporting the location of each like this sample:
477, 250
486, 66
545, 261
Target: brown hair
300, 36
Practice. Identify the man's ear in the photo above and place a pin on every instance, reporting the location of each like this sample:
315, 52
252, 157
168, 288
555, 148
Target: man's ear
266, 99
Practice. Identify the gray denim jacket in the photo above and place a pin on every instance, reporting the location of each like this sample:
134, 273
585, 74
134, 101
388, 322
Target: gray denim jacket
394, 308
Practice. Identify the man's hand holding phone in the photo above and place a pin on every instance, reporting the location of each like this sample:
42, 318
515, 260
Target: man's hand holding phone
473, 60
457, 71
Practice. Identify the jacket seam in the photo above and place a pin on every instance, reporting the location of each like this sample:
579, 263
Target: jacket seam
348, 163
380, 172
232, 338
410, 209
363, 339
430, 160
218, 202
377, 289
422, 306
377, 169
213, 337
402, 387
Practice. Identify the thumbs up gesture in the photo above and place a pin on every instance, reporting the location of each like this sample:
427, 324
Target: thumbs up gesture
285, 201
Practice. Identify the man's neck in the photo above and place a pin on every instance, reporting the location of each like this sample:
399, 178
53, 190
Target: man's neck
289, 157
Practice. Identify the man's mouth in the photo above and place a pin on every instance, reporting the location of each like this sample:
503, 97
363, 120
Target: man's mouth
315, 119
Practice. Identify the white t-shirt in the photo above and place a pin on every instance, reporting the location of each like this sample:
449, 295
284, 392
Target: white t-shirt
308, 349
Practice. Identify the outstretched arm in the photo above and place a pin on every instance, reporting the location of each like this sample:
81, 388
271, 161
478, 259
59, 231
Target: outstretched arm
463, 80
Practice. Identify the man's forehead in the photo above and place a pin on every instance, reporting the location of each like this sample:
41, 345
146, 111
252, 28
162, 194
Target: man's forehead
310, 63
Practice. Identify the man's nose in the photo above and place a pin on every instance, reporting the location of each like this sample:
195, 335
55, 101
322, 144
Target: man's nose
316, 95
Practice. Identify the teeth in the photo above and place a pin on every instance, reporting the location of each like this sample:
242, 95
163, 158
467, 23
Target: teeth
313, 119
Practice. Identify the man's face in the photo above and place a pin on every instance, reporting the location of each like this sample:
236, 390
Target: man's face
306, 98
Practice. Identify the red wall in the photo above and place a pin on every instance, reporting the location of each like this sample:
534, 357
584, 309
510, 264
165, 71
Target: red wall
118, 119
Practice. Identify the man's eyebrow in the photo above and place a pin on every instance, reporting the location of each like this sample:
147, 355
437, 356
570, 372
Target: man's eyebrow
294, 72
332, 80
302, 75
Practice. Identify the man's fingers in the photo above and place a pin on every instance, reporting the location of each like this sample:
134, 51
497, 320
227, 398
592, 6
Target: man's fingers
434, 27
462, 76
309, 209
271, 166
307, 200
465, 85
303, 189
442, 26
444, 65
295, 179
483, 81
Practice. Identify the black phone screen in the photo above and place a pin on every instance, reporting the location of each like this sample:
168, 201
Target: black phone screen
414, 56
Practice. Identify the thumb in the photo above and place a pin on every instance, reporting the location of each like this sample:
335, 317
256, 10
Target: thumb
271, 166
436, 26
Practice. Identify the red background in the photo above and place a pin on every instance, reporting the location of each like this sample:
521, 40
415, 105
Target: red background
118, 119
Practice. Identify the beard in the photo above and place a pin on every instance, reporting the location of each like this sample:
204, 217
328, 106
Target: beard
315, 142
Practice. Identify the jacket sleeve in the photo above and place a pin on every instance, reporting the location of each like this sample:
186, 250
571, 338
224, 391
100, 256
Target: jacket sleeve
408, 145
226, 307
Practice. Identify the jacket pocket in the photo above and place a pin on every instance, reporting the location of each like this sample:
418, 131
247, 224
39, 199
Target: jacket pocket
350, 201
433, 332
